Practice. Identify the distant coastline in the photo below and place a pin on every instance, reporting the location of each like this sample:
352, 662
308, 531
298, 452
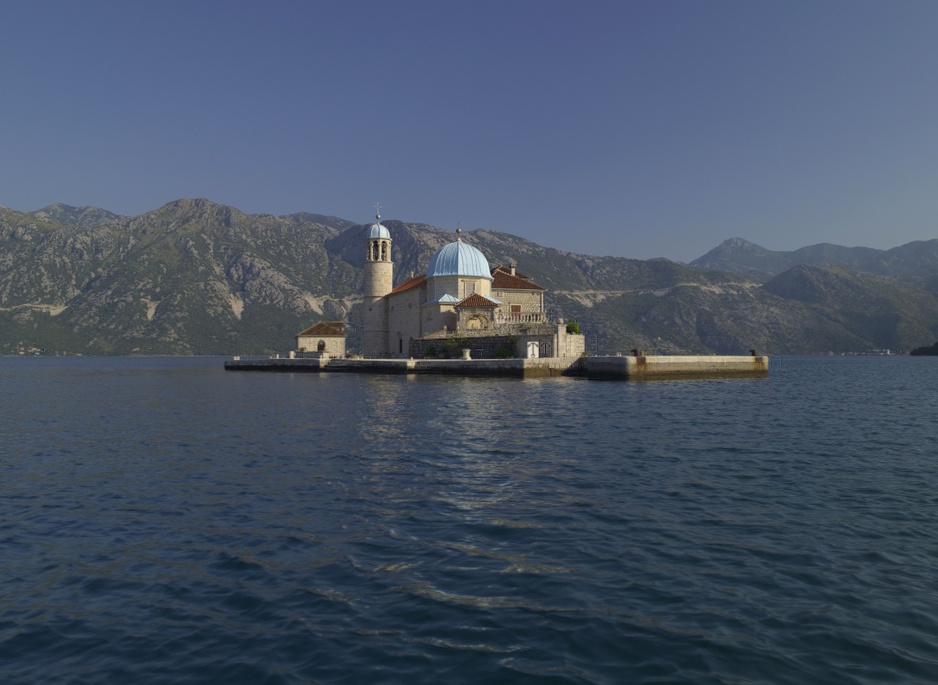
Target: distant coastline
928, 351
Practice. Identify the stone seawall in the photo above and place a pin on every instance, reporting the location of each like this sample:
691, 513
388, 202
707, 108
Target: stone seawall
512, 368
665, 367
613, 368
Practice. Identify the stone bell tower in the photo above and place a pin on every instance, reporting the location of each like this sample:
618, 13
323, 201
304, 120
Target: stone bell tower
378, 282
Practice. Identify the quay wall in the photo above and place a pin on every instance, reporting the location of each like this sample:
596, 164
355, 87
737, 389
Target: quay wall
665, 367
614, 368
514, 368
276, 364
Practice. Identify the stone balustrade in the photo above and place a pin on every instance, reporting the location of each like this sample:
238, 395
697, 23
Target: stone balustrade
520, 317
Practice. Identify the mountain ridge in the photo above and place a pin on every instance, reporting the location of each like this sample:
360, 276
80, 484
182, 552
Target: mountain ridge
916, 261
196, 277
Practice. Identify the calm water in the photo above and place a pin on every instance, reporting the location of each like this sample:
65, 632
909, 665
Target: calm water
163, 521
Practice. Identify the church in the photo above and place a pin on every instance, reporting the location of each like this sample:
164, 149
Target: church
460, 307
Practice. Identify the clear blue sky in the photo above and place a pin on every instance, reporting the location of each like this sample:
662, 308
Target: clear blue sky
635, 129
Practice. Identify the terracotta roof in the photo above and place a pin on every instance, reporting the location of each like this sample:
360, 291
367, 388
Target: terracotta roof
325, 328
476, 300
503, 280
507, 270
414, 282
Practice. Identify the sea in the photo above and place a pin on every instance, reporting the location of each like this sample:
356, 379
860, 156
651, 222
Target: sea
165, 521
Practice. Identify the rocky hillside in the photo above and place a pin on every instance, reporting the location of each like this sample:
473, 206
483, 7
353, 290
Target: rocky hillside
190, 278
194, 277
915, 262
83, 217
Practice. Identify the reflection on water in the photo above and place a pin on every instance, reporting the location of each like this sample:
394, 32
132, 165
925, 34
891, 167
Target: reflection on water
165, 521
469, 445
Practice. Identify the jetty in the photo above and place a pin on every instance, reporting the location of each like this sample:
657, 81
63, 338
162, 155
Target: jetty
636, 367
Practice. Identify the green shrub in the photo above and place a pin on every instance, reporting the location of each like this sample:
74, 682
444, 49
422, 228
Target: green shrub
573, 328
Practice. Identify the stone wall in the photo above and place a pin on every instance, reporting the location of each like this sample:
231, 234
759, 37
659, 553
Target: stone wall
552, 339
438, 286
530, 300
334, 344
665, 367
403, 320
481, 346
569, 344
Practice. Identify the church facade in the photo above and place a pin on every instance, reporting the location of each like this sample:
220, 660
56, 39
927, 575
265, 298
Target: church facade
461, 303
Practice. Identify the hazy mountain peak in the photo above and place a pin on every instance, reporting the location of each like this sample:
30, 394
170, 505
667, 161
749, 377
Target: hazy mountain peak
324, 219
198, 209
738, 243
83, 217
737, 255
187, 204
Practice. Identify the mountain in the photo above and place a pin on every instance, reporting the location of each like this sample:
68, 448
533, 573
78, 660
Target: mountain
195, 277
741, 256
877, 309
190, 277
914, 262
737, 255
76, 216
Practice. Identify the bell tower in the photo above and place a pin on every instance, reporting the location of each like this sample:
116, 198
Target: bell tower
378, 282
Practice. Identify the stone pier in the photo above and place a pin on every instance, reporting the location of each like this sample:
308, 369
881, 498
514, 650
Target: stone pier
667, 367
613, 368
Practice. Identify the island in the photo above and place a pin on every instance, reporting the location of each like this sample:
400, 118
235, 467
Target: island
464, 317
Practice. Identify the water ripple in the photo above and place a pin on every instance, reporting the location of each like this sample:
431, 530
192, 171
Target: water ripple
186, 525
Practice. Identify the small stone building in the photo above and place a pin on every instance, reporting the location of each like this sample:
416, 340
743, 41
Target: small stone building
324, 337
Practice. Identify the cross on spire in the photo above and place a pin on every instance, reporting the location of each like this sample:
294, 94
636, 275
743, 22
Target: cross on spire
378, 211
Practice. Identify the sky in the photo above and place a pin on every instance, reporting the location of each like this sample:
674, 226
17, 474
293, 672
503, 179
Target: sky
624, 128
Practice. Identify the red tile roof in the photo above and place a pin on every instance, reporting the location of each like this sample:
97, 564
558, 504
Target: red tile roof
503, 280
476, 300
414, 282
325, 328
507, 270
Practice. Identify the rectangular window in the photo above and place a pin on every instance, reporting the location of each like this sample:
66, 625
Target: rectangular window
516, 308
470, 288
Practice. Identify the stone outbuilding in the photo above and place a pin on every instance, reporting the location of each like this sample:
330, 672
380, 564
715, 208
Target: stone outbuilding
325, 337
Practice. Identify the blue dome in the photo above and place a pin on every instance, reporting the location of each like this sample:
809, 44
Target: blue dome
379, 231
459, 259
